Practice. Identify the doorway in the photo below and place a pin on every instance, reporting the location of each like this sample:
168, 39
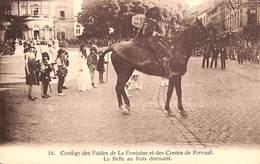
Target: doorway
36, 34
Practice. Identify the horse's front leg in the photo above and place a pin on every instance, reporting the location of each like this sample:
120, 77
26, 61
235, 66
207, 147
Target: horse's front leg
177, 82
169, 96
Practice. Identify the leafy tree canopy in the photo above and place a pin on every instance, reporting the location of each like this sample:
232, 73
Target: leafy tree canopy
98, 16
5, 9
17, 23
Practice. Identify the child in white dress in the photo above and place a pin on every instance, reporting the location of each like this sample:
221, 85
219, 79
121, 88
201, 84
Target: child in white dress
84, 80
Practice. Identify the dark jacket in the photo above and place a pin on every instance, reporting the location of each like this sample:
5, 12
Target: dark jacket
45, 71
150, 25
62, 63
100, 65
223, 53
92, 59
215, 52
82, 49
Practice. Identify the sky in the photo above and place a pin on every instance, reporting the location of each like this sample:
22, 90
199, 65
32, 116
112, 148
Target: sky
77, 6
192, 3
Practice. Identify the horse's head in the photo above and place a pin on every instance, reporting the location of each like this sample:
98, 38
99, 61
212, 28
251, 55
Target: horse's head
185, 43
199, 31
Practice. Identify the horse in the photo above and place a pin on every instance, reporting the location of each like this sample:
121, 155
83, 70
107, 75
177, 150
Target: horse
181, 51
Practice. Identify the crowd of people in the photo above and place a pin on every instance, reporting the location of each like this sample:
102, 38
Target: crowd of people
53, 64
214, 52
88, 67
239, 52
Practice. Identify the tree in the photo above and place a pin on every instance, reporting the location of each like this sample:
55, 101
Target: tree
5, 9
125, 15
17, 23
15, 30
98, 16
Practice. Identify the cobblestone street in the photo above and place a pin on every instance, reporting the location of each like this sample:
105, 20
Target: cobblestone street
223, 108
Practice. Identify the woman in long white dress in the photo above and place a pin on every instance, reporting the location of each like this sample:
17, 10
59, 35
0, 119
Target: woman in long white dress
84, 80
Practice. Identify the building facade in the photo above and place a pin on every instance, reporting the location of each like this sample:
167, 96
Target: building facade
203, 16
216, 17
46, 19
240, 16
236, 17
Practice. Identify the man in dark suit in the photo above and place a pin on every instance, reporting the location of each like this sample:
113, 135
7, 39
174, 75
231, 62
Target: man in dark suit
215, 53
223, 56
240, 55
206, 56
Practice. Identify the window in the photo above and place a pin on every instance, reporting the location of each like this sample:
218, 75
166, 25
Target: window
36, 11
23, 10
58, 35
62, 14
62, 35
36, 34
78, 30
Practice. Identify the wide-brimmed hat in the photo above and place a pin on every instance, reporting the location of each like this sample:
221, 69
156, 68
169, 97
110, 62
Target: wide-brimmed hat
154, 13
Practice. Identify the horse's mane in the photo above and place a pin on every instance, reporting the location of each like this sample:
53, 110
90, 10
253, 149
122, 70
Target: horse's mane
180, 34
182, 37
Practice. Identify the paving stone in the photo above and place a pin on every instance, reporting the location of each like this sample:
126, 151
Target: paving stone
223, 108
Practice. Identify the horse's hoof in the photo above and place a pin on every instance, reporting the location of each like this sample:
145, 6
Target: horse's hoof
125, 110
184, 114
128, 108
170, 114
167, 108
180, 107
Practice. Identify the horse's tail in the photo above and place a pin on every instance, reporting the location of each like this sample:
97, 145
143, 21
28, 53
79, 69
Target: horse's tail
105, 52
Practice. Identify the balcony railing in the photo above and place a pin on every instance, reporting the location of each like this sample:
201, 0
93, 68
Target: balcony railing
36, 16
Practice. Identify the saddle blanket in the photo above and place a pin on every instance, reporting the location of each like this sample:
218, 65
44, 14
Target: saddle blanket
137, 53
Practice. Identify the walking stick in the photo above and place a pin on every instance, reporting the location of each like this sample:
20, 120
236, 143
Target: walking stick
50, 87
40, 69
108, 44
107, 69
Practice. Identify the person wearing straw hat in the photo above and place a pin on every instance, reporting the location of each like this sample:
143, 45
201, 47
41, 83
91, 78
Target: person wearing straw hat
62, 71
92, 63
31, 71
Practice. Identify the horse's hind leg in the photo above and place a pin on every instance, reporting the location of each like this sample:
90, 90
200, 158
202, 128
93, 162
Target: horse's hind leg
118, 94
123, 70
122, 81
120, 89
